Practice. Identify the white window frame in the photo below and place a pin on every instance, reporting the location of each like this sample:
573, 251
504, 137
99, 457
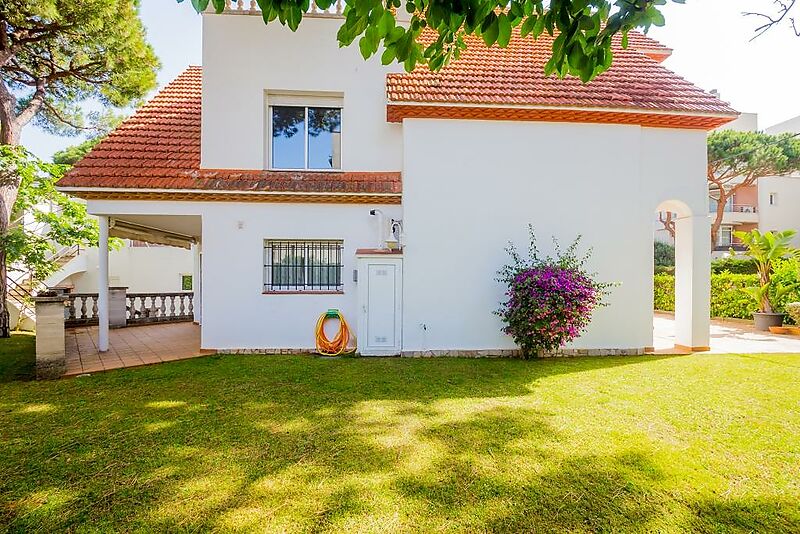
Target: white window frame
323, 100
722, 231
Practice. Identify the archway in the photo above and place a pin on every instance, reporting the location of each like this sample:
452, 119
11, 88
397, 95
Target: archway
692, 274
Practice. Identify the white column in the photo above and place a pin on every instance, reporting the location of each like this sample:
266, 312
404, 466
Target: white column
692, 282
197, 284
102, 290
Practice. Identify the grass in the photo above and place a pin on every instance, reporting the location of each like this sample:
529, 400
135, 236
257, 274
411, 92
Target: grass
18, 357
704, 443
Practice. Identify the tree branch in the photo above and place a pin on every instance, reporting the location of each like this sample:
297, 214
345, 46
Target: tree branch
33, 107
771, 21
68, 122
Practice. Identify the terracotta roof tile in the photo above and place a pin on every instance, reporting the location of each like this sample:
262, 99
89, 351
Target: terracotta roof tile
158, 147
514, 76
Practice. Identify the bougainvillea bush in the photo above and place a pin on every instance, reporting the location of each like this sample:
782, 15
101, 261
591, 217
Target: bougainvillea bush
550, 300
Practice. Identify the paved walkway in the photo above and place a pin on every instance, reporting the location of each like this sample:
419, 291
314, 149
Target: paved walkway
727, 337
131, 347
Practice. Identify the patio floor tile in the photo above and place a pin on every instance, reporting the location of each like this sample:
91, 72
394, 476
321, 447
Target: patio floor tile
131, 347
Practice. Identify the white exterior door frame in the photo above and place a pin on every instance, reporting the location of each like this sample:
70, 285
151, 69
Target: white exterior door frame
380, 303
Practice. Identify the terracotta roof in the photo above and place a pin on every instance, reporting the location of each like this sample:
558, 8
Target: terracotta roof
161, 141
158, 147
514, 77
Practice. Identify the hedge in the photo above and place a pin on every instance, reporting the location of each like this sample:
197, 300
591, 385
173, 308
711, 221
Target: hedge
734, 265
664, 292
727, 298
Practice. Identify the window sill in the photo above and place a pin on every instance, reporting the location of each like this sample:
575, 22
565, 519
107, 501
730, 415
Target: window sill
310, 292
274, 169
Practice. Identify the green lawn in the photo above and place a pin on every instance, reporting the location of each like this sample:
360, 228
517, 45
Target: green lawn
286, 443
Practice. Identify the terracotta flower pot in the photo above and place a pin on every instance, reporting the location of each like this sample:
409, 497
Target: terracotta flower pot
764, 320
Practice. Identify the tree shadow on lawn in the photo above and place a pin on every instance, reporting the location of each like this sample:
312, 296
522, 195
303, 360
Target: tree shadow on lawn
288, 444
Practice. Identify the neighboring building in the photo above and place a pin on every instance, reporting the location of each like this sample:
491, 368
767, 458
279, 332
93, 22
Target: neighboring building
308, 162
769, 205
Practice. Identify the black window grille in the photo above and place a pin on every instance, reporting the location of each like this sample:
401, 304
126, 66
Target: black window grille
303, 265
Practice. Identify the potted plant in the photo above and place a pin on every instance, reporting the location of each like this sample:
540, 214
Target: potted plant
765, 249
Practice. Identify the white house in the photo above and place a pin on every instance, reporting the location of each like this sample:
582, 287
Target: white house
288, 161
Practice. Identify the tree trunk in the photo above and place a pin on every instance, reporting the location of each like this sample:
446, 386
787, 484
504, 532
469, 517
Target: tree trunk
9, 187
668, 222
717, 222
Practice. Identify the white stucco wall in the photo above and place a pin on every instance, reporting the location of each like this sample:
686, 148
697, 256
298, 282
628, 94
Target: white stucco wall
236, 314
471, 186
140, 269
788, 126
785, 213
746, 122
243, 60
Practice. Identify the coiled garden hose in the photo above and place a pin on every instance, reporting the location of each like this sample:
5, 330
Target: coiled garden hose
337, 345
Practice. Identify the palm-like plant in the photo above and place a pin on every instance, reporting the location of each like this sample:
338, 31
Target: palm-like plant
765, 249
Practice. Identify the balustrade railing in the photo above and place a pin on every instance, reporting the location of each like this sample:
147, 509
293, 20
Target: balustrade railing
81, 309
245, 7
141, 308
160, 307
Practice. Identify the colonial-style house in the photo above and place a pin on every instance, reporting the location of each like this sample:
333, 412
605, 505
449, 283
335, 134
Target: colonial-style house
307, 178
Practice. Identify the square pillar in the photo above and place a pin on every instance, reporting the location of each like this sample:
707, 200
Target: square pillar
51, 356
117, 307
102, 290
693, 283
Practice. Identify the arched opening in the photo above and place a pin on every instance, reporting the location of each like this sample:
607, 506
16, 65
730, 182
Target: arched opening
686, 234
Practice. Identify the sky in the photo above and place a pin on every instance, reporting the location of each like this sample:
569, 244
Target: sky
710, 39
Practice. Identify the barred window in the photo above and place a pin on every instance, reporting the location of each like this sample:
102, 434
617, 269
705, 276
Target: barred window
303, 265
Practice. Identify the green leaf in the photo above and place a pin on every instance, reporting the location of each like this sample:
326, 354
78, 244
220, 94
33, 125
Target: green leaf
490, 30
386, 23
294, 17
503, 30
199, 5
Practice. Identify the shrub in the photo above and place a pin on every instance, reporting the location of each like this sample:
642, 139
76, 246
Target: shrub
659, 269
793, 309
664, 292
728, 298
786, 274
767, 250
550, 300
734, 265
663, 254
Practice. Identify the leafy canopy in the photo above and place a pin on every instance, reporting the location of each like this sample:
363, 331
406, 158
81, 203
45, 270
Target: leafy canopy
583, 28
54, 54
735, 157
72, 154
43, 219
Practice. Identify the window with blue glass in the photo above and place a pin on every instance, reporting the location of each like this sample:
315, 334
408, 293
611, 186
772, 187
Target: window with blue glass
305, 137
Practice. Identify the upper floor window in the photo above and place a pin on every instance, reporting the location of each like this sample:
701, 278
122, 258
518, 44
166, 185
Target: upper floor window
773, 199
305, 137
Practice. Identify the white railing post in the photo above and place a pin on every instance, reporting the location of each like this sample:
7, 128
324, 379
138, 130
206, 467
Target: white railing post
102, 290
